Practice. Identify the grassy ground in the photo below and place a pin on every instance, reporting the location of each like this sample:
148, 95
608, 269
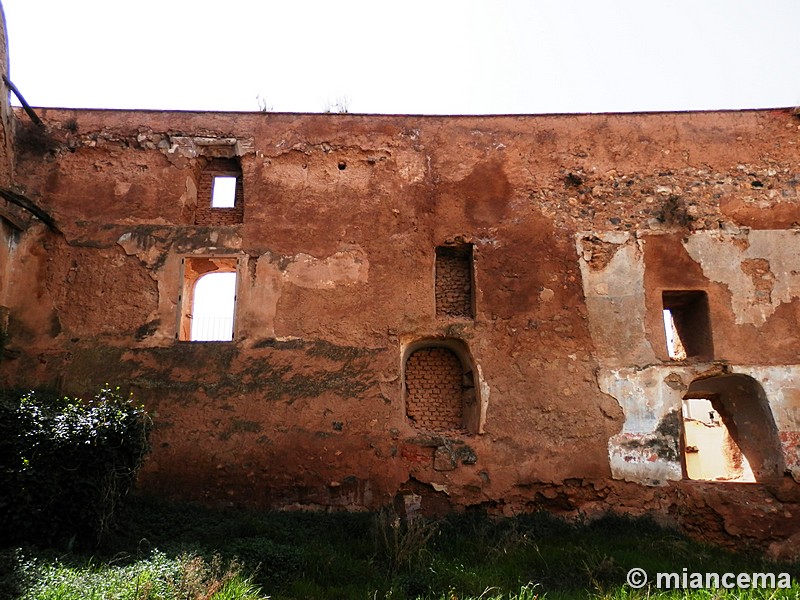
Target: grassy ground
182, 552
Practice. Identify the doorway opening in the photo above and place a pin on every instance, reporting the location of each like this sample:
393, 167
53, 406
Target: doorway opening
729, 433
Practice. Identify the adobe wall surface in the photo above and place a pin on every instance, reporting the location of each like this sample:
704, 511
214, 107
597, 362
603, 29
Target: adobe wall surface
7, 122
577, 226
6, 116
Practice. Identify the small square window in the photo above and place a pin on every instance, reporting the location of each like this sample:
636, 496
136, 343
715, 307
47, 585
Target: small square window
220, 193
223, 192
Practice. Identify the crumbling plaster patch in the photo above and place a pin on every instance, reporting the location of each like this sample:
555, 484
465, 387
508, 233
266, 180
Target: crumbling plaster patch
179, 149
615, 297
758, 267
260, 292
346, 267
732, 259
646, 399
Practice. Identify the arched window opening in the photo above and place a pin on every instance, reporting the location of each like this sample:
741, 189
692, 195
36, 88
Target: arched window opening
729, 433
213, 307
208, 299
712, 452
440, 390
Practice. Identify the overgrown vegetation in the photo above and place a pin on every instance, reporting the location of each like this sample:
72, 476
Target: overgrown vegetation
155, 577
65, 464
344, 555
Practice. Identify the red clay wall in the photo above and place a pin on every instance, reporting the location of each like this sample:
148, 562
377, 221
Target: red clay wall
578, 224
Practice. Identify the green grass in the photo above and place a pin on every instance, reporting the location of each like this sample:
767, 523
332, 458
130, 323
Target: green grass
154, 577
171, 552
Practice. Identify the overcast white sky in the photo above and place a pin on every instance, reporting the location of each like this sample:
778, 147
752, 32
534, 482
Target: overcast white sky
417, 57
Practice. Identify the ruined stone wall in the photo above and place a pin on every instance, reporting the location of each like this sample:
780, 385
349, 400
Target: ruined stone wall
8, 238
6, 116
577, 226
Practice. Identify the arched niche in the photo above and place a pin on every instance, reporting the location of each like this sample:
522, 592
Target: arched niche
441, 387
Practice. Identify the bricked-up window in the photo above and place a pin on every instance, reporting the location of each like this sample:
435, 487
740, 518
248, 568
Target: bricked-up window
687, 325
454, 288
439, 387
208, 299
435, 389
220, 193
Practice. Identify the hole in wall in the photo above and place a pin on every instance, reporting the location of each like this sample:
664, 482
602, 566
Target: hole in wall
711, 451
342, 165
213, 308
675, 347
220, 193
729, 433
687, 325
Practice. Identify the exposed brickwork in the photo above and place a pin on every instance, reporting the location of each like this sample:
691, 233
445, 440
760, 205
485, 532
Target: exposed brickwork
205, 214
434, 389
454, 281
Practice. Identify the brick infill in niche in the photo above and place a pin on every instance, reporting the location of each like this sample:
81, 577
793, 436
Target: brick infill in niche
454, 282
435, 390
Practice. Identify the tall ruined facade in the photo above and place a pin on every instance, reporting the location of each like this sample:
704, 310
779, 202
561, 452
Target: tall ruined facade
572, 313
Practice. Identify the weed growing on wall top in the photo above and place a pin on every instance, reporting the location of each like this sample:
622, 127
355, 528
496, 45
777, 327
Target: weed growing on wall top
65, 464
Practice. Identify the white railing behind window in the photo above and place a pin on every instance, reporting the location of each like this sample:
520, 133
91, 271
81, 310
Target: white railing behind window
212, 329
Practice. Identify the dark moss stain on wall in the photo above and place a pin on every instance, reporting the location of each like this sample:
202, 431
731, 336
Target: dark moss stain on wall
274, 373
664, 443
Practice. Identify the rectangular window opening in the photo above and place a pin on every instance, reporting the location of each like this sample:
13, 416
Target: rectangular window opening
223, 192
687, 325
220, 193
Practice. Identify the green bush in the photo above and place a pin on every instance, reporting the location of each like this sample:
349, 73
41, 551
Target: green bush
66, 463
